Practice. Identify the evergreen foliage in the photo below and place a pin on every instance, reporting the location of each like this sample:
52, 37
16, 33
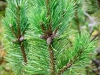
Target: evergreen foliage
51, 53
79, 18
46, 44
15, 24
91, 6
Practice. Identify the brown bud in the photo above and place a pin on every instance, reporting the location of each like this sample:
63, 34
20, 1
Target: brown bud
49, 40
21, 38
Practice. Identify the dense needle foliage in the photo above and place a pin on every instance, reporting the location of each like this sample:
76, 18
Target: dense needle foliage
38, 38
15, 24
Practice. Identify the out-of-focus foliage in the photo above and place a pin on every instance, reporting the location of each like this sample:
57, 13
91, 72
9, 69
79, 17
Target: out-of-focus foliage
91, 6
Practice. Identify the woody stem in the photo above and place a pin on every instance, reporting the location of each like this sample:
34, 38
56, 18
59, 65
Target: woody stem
23, 52
21, 43
52, 60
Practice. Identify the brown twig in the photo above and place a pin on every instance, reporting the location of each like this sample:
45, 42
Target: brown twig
52, 60
18, 21
23, 52
43, 27
62, 70
65, 68
18, 35
12, 29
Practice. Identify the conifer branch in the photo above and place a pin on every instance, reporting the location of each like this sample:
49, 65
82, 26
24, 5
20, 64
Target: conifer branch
76, 57
65, 68
19, 36
49, 36
16, 24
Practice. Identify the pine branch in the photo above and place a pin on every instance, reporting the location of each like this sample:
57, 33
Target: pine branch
76, 57
15, 24
65, 68
49, 38
49, 23
80, 48
20, 37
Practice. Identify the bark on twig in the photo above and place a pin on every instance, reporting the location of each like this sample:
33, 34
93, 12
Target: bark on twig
23, 52
64, 68
52, 60
18, 35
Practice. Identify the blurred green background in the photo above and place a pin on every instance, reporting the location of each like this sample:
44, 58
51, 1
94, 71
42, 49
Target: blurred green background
4, 68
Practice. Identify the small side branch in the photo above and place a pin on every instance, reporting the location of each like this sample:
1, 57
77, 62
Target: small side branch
52, 60
18, 35
64, 68
76, 57
18, 21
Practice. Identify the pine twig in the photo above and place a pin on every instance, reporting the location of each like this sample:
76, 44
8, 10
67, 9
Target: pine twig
18, 21
12, 30
49, 37
52, 60
65, 68
98, 3
19, 36
70, 63
23, 52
